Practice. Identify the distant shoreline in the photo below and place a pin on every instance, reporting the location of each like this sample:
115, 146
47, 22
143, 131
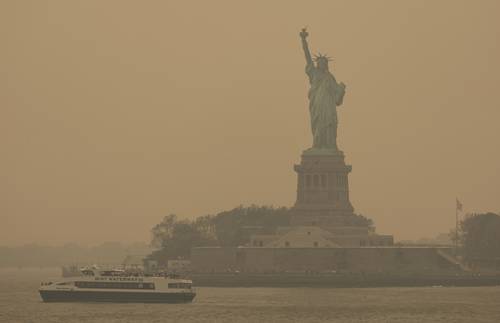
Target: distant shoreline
319, 280
343, 280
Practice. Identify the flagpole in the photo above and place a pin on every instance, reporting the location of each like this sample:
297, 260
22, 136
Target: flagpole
456, 230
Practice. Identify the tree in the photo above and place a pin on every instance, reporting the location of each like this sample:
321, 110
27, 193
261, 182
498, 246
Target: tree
163, 230
480, 238
362, 220
175, 238
234, 227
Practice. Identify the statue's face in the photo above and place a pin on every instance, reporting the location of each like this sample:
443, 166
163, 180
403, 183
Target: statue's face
322, 64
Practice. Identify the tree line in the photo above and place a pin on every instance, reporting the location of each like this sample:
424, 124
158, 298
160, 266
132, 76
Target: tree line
479, 238
174, 238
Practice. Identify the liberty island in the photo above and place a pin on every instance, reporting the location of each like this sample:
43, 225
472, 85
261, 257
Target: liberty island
324, 233
321, 233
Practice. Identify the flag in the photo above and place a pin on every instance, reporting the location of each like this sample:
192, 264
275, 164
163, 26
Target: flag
459, 205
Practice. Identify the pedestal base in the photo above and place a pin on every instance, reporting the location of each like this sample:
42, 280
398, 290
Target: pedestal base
322, 185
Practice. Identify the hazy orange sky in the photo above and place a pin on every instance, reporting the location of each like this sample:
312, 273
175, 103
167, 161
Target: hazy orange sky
116, 113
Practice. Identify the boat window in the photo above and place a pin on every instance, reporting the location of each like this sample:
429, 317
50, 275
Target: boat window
179, 285
114, 285
113, 272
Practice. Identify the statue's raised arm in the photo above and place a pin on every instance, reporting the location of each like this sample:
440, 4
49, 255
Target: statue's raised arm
305, 46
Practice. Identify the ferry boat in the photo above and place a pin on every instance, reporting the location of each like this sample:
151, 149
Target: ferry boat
118, 286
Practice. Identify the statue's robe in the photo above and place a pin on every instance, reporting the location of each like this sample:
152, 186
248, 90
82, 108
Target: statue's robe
325, 95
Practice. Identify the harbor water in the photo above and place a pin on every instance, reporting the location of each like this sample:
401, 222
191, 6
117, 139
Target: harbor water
20, 302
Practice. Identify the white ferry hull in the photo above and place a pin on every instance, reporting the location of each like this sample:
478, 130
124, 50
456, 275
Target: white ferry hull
115, 296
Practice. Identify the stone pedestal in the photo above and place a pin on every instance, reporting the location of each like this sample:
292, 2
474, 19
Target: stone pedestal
322, 189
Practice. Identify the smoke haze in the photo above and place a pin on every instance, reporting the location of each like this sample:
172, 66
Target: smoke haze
116, 113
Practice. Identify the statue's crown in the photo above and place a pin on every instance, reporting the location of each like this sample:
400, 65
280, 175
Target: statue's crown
320, 56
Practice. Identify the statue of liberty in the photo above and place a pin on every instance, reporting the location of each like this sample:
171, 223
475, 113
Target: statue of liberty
325, 95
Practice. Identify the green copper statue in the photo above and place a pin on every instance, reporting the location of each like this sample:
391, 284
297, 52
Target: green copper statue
325, 95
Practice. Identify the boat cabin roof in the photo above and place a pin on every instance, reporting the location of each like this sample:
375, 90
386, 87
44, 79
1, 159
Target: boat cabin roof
95, 272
